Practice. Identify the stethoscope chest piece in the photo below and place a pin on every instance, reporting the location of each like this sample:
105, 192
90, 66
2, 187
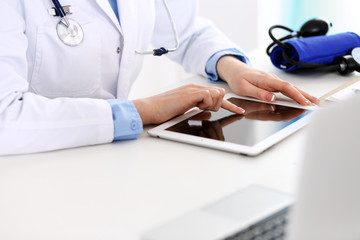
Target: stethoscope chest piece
72, 35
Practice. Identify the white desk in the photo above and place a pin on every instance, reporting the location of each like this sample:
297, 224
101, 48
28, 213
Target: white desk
119, 190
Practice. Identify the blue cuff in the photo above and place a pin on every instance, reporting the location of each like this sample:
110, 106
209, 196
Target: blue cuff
127, 122
210, 67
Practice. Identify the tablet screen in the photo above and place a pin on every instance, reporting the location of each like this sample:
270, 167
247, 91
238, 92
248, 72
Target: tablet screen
260, 121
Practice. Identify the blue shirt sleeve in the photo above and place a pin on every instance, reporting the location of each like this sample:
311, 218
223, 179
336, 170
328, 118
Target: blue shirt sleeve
127, 122
210, 67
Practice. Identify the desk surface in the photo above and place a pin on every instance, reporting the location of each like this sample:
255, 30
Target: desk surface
119, 190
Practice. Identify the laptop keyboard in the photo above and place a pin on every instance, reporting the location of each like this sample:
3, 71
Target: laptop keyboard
271, 228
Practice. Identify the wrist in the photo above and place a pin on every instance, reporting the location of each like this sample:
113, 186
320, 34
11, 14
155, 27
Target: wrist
228, 67
144, 111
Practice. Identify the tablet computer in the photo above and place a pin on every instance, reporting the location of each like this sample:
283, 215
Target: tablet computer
263, 125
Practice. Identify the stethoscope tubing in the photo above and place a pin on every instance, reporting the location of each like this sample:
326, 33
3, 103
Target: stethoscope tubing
160, 51
156, 52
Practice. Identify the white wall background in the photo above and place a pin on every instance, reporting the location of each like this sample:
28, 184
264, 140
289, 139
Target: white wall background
247, 22
293, 13
238, 19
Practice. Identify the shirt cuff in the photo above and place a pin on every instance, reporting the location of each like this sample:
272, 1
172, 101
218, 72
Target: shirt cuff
127, 122
210, 67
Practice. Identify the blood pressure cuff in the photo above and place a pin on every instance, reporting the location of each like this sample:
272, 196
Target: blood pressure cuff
319, 49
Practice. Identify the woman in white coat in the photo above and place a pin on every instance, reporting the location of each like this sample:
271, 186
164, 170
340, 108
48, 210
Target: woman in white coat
55, 96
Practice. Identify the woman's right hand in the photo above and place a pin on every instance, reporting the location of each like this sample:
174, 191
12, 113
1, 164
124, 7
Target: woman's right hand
160, 108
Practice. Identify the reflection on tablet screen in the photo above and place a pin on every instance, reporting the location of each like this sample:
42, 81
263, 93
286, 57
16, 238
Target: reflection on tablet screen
260, 121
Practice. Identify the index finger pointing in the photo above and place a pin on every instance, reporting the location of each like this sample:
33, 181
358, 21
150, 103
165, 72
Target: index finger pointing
232, 107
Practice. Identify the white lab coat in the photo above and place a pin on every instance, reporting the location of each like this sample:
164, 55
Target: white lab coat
52, 95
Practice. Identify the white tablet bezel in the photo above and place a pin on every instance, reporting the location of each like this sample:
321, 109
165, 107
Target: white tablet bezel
161, 132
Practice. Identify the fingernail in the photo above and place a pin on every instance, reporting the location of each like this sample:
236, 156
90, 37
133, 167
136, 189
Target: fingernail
270, 97
307, 102
242, 111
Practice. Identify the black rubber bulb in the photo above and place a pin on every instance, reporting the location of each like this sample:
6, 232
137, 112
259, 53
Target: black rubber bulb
314, 27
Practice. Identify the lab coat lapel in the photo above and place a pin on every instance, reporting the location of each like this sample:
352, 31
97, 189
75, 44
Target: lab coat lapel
105, 6
128, 11
128, 27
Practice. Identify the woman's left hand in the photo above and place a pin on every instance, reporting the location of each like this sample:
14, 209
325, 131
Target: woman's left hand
247, 81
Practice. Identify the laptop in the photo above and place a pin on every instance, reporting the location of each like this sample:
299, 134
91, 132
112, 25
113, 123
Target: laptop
326, 205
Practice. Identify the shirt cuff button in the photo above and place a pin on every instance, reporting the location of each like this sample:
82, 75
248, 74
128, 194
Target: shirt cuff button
134, 125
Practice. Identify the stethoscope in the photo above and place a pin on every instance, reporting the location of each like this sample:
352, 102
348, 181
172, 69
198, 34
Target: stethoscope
71, 33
